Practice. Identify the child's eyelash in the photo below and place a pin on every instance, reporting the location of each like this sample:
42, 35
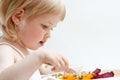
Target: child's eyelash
44, 26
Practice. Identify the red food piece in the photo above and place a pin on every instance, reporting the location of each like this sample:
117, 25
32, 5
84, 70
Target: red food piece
108, 74
97, 71
103, 75
97, 76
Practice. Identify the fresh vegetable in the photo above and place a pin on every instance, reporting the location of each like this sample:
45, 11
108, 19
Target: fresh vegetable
86, 75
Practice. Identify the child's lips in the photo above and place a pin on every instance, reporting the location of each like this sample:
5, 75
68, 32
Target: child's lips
42, 43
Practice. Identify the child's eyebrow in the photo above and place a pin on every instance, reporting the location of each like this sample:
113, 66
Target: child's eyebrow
50, 23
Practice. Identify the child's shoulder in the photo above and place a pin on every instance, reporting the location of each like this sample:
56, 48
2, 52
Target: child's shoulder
6, 49
7, 57
10, 49
6, 46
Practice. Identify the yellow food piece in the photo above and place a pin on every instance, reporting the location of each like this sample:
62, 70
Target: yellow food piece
87, 76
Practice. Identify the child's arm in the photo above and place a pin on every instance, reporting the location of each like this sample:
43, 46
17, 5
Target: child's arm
21, 70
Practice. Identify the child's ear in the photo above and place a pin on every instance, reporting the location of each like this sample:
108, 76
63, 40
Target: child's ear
18, 16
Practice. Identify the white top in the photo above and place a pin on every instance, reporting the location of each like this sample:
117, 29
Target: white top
36, 75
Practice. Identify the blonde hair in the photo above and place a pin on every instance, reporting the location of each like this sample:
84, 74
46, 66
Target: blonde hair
31, 7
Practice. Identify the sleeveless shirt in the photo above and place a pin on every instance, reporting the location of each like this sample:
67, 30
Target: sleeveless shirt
36, 75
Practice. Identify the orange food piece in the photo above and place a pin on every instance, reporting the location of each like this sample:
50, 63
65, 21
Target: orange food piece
69, 77
89, 75
85, 78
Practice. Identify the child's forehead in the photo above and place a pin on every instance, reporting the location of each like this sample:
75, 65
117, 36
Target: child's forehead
49, 19
46, 17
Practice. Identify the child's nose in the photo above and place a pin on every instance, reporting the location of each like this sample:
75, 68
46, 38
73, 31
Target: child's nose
48, 35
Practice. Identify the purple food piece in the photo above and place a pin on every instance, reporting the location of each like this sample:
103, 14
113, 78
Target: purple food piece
97, 76
104, 75
108, 74
97, 71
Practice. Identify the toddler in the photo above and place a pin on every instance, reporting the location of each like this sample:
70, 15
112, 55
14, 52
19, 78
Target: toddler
27, 24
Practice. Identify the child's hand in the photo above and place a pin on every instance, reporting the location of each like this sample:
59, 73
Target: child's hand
75, 69
54, 58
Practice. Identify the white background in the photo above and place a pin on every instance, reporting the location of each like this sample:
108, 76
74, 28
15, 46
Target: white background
90, 34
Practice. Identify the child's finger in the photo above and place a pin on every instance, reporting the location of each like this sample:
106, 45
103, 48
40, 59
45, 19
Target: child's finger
66, 63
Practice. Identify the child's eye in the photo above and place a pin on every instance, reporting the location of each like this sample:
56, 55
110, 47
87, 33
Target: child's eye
44, 26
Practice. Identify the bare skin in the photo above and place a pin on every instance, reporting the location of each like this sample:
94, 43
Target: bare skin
33, 33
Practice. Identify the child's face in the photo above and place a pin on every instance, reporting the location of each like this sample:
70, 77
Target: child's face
35, 31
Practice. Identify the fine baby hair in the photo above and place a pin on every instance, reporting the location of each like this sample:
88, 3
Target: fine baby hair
31, 7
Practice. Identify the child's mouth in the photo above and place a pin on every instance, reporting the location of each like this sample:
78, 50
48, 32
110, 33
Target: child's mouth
41, 43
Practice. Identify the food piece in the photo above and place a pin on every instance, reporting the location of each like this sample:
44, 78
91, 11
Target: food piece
103, 75
97, 71
85, 76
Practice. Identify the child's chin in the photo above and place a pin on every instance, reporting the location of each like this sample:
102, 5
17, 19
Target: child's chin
35, 48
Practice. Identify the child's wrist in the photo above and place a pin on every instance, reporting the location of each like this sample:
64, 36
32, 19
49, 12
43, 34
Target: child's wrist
38, 57
41, 56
